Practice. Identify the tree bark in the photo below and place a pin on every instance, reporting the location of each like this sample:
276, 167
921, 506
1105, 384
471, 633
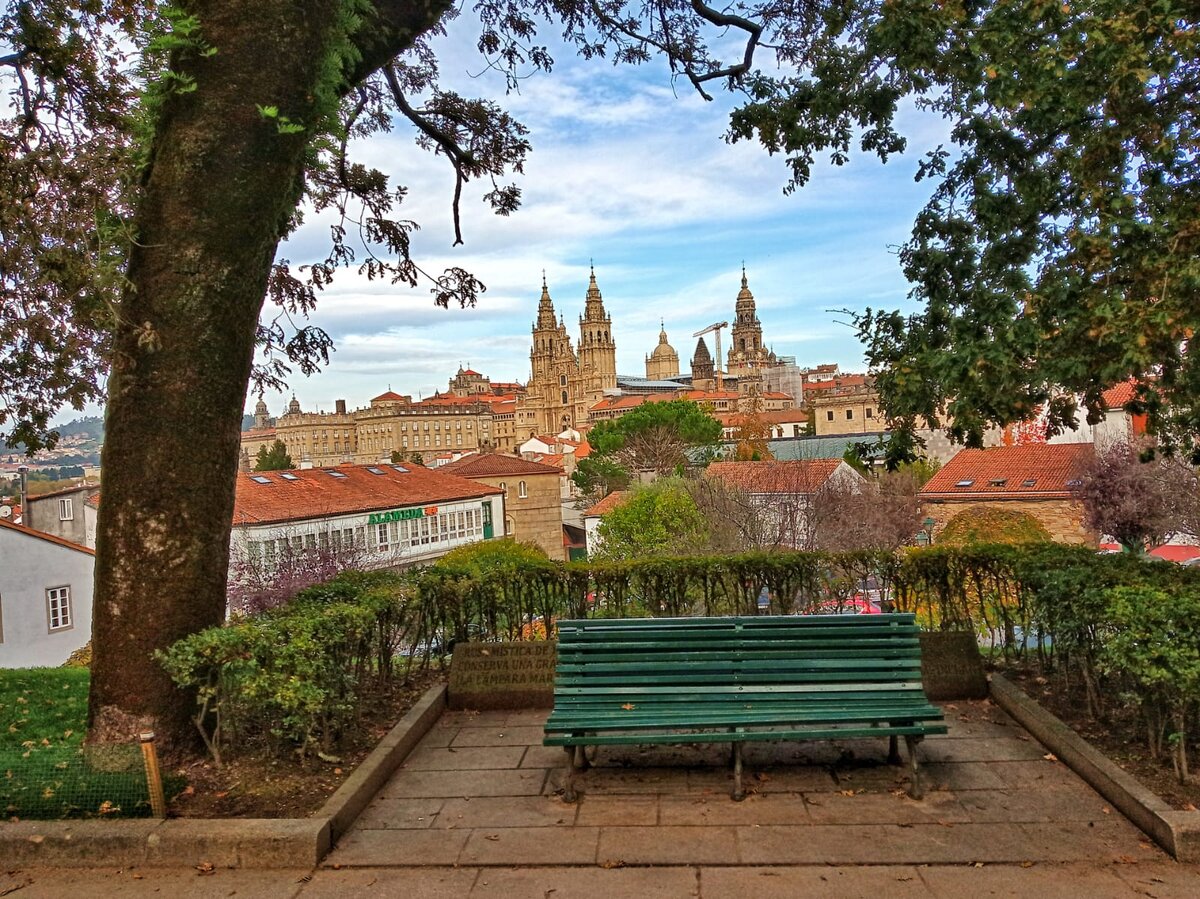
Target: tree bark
218, 195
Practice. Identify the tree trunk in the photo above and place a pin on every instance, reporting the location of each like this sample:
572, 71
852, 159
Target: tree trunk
219, 192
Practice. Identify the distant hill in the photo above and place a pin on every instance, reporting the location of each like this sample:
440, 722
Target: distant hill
91, 424
86, 452
247, 422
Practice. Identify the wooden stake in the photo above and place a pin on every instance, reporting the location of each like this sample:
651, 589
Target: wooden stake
158, 802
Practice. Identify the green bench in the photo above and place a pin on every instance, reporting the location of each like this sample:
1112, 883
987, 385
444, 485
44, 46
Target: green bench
734, 680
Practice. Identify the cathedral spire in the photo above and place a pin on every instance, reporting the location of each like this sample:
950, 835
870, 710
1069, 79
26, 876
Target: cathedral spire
546, 318
593, 310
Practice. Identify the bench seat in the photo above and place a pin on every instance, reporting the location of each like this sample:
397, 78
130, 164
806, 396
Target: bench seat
737, 680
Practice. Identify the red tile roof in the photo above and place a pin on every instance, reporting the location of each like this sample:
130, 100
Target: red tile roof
799, 476
606, 505
1035, 470
492, 465
835, 383
767, 416
49, 538
1120, 394
389, 397
315, 493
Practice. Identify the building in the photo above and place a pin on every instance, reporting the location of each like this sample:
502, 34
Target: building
747, 351
593, 516
388, 516
261, 434
774, 424
703, 372
845, 408
1036, 478
784, 495
717, 402
45, 597
564, 384
533, 496
663, 362
1115, 425
60, 512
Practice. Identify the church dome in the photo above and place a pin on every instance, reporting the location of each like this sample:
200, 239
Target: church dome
664, 350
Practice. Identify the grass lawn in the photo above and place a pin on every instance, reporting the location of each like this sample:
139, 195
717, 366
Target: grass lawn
45, 772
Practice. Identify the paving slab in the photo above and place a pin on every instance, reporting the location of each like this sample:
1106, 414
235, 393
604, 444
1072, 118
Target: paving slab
587, 883
400, 814
473, 719
1097, 841
467, 758
763, 808
978, 749
186, 883
1038, 774
1065, 803
668, 845
1042, 881
885, 808
531, 846
411, 883
1162, 880
544, 757
506, 811
597, 810
892, 882
368, 848
884, 844
410, 784
525, 735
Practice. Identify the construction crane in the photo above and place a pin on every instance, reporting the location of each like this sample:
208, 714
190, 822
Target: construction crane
716, 330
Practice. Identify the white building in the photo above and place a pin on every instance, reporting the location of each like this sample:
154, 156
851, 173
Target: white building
389, 516
45, 597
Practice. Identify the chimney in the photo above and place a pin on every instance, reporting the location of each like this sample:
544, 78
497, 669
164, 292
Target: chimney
340, 406
306, 462
244, 461
24, 472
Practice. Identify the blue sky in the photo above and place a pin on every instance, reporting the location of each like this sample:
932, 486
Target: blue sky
634, 174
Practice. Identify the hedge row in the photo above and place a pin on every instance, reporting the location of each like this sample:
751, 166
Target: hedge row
297, 676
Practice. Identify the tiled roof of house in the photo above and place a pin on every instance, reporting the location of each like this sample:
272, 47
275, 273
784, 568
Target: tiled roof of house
490, 465
49, 538
606, 505
389, 397
767, 416
252, 433
836, 383
552, 459
61, 491
276, 496
1035, 470
1120, 394
800, 476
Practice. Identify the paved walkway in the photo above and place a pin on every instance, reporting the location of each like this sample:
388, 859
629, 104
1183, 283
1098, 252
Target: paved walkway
474, 812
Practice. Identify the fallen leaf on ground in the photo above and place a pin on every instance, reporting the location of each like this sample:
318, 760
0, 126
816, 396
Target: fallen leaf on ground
612, 863
205, 868
629, 706
1050, 757
491, 836
1026, 864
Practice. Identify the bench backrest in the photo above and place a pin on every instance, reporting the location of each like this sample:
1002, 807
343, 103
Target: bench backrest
824, 657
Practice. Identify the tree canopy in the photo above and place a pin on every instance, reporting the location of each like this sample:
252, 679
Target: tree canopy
273, 458
656, 436
656, 520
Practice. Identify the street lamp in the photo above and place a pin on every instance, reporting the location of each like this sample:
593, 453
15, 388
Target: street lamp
925, 535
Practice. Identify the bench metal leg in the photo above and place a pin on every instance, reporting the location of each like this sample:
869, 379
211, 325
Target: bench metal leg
893, 750
574, 766
738, 794
916, 789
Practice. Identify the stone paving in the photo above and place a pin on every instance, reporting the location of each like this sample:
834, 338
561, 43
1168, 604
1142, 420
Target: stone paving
475, 812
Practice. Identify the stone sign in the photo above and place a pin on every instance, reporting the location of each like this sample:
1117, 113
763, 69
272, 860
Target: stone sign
951, 667
502, 675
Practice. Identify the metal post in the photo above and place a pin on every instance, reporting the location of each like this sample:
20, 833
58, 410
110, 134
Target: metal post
738, 794
915, 790
893, 750
158, 802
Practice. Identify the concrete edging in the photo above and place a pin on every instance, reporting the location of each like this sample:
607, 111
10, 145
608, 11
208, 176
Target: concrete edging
1175, 831
227, 842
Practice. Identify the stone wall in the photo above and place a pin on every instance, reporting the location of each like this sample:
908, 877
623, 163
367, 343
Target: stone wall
537, 516
1063, 518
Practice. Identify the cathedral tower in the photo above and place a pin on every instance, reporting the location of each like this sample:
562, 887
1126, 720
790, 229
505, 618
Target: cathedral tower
597, 352
554, 370
702, 367
747, 350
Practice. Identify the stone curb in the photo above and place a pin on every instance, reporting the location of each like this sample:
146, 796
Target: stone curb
230, 842
1175, 831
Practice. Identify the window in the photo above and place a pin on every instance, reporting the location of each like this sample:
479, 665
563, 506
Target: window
849, 414
829, 415
58, 608
564, 397
381, 538
522, 490
868, 413
66, 510
504, 488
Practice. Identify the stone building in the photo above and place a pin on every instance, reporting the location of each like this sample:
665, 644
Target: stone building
849, 409
60, 512
532, 496
747, 351
563, 383
703, 373
1037, 479
663, 363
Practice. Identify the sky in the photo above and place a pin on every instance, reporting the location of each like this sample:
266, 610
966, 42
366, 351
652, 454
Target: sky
631, 174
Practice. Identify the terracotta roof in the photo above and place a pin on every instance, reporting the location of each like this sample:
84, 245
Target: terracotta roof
799, 476
61, 491
700, 396
49, 538
629, 401
490, 465
552, 459
315, 493
1120, 394
583, 450
258, 432
834, 383
606, 505
767, 416
389, 397
1038, 470
469, 371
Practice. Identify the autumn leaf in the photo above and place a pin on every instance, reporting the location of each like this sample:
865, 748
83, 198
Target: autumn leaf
629, 706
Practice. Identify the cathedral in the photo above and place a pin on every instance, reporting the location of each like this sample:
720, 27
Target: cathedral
563, 383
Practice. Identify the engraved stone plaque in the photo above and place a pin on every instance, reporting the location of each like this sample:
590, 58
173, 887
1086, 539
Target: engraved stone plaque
502, 675
951, 667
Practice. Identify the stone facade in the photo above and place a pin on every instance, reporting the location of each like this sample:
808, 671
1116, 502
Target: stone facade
532, 496
663, 362
1063, 518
